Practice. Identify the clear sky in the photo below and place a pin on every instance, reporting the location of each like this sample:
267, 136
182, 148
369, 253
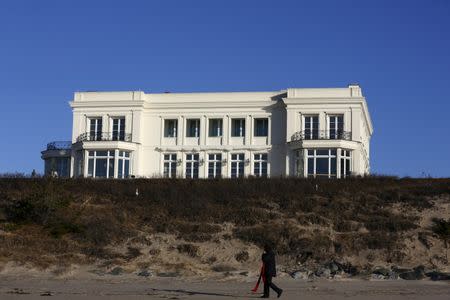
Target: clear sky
398, 51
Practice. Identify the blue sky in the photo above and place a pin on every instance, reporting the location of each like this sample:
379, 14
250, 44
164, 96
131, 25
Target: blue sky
398, 51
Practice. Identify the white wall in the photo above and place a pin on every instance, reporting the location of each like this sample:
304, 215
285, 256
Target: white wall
145, 114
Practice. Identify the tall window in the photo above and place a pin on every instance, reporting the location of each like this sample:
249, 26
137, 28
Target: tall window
193, 128
321, 162
260, 165
336, 126
261, 127
170, 128
311, 127
192, 165
237, 165
214, 165
95, 129
170, 165
123, 167
346, 158
101, 164
118, 130
215, 127
238, 127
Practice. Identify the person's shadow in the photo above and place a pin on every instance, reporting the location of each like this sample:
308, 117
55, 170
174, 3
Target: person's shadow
192, 293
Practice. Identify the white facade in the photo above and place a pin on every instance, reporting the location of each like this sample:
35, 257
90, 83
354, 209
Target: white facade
294, 132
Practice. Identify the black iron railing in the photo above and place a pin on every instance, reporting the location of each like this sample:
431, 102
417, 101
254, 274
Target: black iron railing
59, 145
321, 135
105, 136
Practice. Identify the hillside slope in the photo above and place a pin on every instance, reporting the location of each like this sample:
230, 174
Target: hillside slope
205, 227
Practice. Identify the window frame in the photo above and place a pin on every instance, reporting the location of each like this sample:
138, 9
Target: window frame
123, 157
261, 163
346, 158
196, 132
338, 130
214, 164
265, 130
118, 134
211, 130
98, 128
170, 132
238, 164
240, 130
311, 133
171, 160
316, 154
93, 156
192, 167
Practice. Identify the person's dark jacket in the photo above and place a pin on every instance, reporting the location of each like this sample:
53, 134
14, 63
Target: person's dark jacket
268, 259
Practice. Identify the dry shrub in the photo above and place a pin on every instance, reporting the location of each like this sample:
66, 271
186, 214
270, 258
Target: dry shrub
242, 256
83, 217
223, 268
188, 249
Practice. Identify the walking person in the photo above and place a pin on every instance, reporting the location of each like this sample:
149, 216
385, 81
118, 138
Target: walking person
270, 271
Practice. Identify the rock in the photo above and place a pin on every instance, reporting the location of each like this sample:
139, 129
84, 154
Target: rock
377, 276
323, 272
116, 271
168, 274
301, 274
381, 271
334, 267
245, 273
401, 270
350, 270
416, 274
435, 276
145, 273
393, 275
97, 272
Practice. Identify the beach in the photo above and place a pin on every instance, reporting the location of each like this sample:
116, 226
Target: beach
20, 287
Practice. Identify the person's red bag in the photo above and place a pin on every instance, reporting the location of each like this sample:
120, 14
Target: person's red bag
261, 275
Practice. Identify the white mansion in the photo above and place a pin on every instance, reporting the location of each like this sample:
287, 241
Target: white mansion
294, 132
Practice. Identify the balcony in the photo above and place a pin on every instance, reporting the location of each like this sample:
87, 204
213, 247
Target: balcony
105, 136
321, 135
57, 149
59, 145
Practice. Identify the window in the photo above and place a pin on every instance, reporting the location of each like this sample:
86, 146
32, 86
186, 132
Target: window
193, 128
95, 129
215, 165
311, 127
118, 130
237, 165
123, 167
238, 127
57, 166
321, 162
170, 165
261, 127
215, 127
192, 165
101, 164
170, 128
346, 158
260, 165
336, 124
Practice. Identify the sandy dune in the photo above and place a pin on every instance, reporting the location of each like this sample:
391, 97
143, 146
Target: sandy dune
170, 288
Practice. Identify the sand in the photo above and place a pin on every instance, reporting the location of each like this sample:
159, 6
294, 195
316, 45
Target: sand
119, 287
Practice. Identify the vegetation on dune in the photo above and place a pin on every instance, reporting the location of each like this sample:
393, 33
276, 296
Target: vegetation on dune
46, 221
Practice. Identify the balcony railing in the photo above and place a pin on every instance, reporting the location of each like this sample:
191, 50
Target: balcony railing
321, 135
59, 145
105, 136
